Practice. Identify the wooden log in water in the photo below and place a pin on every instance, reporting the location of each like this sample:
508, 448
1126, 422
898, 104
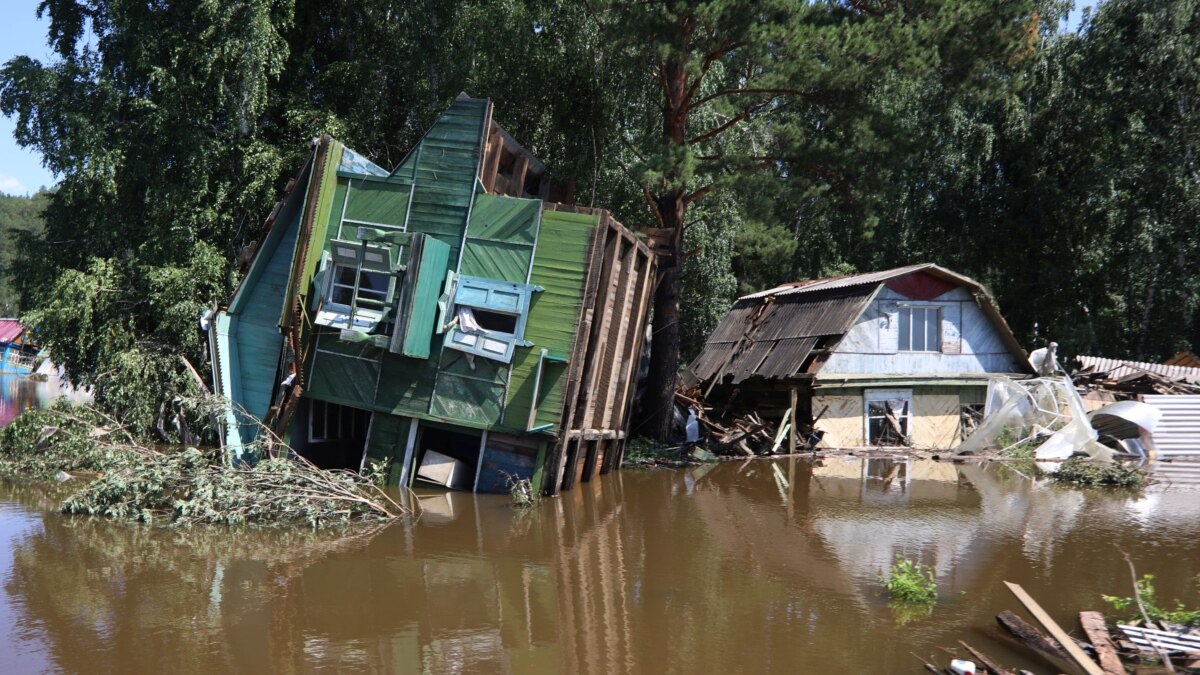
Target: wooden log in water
1077, 655
1030, 636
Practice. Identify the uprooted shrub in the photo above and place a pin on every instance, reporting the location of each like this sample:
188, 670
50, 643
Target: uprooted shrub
134, 481
1082, 471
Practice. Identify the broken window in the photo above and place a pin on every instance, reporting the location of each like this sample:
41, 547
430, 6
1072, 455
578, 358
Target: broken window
888, 417
488, 317
920, 329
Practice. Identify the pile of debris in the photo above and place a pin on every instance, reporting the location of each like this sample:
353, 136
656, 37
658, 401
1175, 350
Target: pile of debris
743, 434
1130, 379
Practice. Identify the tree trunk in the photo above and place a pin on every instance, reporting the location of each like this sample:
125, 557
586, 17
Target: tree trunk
659, 395
669, 204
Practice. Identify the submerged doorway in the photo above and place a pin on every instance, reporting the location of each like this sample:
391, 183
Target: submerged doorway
447, 458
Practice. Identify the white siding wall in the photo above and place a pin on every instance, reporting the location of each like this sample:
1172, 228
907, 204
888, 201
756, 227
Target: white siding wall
970, 344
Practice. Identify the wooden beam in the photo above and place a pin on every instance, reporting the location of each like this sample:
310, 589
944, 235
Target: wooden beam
1097, 634
1059, 634
619, 364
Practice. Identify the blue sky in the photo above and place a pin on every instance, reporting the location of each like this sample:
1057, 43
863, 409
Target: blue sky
21, 170
21, 32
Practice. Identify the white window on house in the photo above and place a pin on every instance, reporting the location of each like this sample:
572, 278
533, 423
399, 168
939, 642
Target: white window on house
369, 290
888, 416
920, 328
359, 286
333, 422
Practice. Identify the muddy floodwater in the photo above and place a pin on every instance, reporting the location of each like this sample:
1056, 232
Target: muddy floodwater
720, 568
756, 567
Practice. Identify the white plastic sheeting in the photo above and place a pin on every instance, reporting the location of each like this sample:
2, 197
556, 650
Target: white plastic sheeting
1020, 411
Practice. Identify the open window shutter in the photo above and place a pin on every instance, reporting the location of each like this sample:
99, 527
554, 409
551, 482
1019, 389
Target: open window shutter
495, 347
417, 307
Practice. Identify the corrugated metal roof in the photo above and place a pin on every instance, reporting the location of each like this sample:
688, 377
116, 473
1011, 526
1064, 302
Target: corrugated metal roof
787, 357
1178, 431
1117, 368
10, 329
848, 281
778, 340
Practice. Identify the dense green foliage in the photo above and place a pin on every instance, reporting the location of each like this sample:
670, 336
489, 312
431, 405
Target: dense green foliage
20, 219
1149, 596
778, 140
911, 582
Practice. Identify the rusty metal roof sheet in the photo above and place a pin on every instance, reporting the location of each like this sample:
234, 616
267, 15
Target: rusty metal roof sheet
1117, 368
786, 357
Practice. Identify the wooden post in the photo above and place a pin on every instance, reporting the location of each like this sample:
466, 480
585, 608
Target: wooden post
795, 422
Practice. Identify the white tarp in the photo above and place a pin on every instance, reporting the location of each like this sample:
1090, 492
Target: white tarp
1022, 411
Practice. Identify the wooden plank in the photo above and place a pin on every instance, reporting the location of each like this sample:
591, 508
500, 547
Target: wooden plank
622, 313
988, 665
1097, 634
1059, 634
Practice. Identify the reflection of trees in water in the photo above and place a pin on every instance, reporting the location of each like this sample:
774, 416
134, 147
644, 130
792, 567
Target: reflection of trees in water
111, 596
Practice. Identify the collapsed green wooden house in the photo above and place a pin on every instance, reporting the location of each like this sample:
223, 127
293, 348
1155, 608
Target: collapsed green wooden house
449, 318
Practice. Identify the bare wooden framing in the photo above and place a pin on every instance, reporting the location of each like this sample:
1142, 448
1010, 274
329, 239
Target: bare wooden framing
557, 458
603, 362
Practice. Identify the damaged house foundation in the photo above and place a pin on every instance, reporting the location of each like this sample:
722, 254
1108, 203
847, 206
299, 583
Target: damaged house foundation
455, 319
899, 357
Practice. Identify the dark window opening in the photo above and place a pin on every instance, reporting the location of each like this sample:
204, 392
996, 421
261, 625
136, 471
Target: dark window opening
508, 162
336, 435
495, 321
533, 183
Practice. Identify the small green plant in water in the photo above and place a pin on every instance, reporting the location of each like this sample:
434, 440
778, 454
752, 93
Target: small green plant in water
911, 582
1145, 587
522, 492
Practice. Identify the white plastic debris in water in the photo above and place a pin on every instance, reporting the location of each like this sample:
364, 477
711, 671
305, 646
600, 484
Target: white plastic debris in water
960, 667
692, 427
1046, 410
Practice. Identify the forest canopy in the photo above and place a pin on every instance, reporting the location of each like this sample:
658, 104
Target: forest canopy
780, 140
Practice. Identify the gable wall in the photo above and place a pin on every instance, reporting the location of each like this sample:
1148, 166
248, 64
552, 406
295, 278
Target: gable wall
970, 343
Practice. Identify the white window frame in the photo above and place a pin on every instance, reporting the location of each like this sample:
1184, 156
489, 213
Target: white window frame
875, 396
925, 311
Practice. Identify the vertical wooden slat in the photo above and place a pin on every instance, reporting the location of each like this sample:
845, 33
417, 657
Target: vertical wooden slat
646, 292
792, 431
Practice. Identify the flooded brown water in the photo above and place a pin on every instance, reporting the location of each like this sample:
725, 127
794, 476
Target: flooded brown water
710, 570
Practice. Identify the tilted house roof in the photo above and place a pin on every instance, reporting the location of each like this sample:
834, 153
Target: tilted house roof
771, 334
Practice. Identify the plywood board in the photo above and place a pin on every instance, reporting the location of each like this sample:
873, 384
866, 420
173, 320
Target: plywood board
935, 422
842, 422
